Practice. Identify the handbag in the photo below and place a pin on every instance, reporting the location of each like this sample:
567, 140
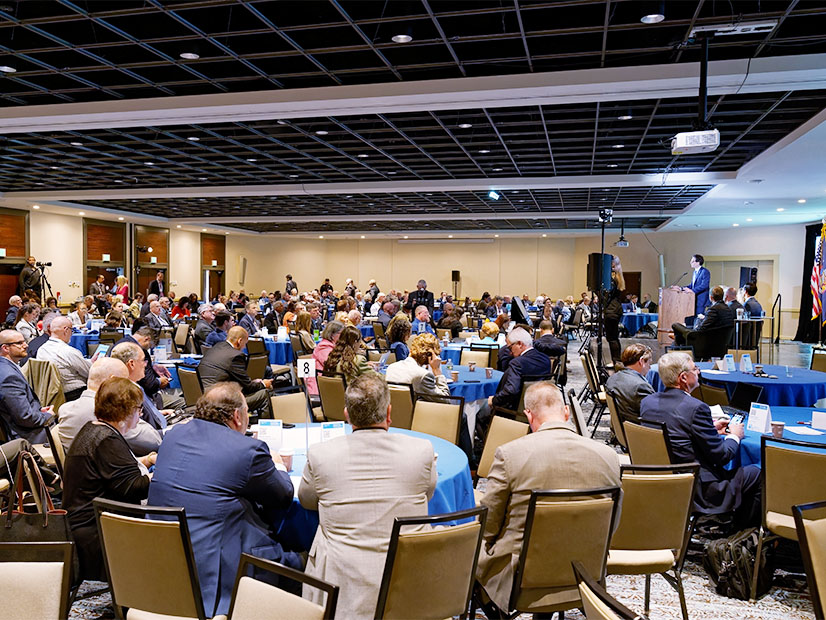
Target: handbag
729, 563
21, 525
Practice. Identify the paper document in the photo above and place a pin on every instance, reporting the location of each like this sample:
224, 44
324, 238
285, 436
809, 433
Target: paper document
714, 372
803, 430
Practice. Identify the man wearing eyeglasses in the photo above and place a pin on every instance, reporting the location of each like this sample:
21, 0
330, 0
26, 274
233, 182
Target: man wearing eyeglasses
20, 410
73, 367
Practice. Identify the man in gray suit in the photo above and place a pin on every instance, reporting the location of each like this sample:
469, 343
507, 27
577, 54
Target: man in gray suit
359, 484
554, 456
629, 385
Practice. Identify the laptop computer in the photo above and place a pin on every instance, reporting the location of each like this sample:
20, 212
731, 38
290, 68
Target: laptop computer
744, 395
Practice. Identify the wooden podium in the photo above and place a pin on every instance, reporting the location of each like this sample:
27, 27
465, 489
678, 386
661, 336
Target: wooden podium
674, 307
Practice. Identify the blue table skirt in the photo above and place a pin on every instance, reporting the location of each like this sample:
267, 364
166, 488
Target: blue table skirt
750, 444
634, 322
79, 341
366, 331
802, 389
174, 381
454, 490
279, 351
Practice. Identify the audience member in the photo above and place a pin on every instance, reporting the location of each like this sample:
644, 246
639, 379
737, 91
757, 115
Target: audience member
496, 309
696, 438
100, 464
46, 332
15, 303
647, 304
27, 321
316, 319
731, 300
224, 321
629, 385
73, 416
153, 381
204, 327
450, 319
134, 309
397, 337
386, 314
231, 487
249, 320
358, 484
718, 315
420, 297
20, 412
132, 356
553, 456
489, 332
79, 315
156, 318
304, 326
751, 304
345, 358
225, 361
547, 342
422, 368
421, 322
70, 363
181, 309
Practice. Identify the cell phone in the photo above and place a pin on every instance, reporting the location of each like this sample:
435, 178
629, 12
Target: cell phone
737, 419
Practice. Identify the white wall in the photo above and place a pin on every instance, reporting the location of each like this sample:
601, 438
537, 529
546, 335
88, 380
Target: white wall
184, 275
59, 239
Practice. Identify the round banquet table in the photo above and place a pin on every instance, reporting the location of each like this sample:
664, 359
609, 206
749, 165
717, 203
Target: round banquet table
473, 385
802, 389
366, 330
634, 322
80, 340
279, 351
750, 444
452, 352
172, 367
454, 489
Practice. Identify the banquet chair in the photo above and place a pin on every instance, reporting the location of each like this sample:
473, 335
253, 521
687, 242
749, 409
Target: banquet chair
492, 349
36, 578
290, 405
791, 473
647, 444
331, 390
482, 358
577, 415
574, 326
810, 522
442, 333
56, 448
91, 347
431, 570
501, 431
818, 360
440, 416
296, 345
597, 604
374, 355
655, 494
148, 555
681, 349
45, 381
712, 395
180, 341
738, 353
577, 525
594, 391
256, 345
256, 600
257, 365
468, 333
402, 398
378, 329
616, 422
190, 385
519, 412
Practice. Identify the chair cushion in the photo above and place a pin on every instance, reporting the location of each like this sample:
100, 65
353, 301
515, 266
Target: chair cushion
637, 562
280, 369
782, 525
139, 614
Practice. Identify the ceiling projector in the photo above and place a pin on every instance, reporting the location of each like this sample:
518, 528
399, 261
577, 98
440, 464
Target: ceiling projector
689, 142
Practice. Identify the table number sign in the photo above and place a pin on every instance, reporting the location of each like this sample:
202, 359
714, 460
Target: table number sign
819, 420
745, 363
760, 418
271, 432
331, 430
728, 361
306, 368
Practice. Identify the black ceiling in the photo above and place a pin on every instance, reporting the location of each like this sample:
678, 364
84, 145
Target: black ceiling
75, 51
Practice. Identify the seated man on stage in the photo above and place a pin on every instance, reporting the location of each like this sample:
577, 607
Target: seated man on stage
696, 438
718, 315
629, 386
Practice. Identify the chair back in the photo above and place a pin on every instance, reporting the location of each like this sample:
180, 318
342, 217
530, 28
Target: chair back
442, 333
587, 366
431, 571
374, 355
616, 423
647, 445
256, 600
36, 577
296, 345
181, 337
712, 395
501, 431
149, 561
440, 416
577, 525
810, 522
91, 347
528, 381
378, 329
256, 345
818, 360
190, 385
56, 447
45, 381
331, 392
681, 349
792, 473
401, 399
290, 407
492, 349
738, 353
257, 365
711, 342
482, 358
577, 414
596, 602
656, 494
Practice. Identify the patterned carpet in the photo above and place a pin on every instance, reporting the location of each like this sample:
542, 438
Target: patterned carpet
787, 600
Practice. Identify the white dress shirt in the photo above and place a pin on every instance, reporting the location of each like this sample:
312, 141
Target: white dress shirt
73, 367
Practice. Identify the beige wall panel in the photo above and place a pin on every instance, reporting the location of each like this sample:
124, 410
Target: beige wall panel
556, 268
59, 239
184, 262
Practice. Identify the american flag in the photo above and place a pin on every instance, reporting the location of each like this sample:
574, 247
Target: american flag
818, 279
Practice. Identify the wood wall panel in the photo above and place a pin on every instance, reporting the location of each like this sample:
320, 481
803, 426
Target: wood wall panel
213, 247
105, 239
157, 239
13, 234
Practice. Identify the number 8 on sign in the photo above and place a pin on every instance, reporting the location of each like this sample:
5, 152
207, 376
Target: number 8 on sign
306, 368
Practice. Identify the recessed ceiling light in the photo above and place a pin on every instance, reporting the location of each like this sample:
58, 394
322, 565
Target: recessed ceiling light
293, 176
178, 226
392, 172
748, 219
780, 209
406, 237
617, 146
7, 69
625, 117
193, 138
544, 235
189, 56
35, 206
226, 233
465, 126
120, 219
802, 201
735, 224
54, 168
321, 236
483, 151
402, 38
655, 17
362, 155
450, 236
202, 178
118, 181
251, 159
321, 132
149, 163
81, 212
203, 230
612, 165
281, 122
76, 143
498, 169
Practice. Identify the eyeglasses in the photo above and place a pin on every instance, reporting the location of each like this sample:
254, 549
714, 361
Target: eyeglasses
15, 343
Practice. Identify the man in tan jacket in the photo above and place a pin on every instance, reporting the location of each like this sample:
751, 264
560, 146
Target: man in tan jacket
554, 456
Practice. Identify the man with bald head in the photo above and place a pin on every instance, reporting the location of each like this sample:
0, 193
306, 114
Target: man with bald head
70, 363
156, 318
225, 361
20, 412
132, 356
73, 416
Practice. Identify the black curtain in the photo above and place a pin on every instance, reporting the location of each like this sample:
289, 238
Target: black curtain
808, 329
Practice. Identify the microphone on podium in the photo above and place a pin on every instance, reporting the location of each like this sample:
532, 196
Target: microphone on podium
680, 278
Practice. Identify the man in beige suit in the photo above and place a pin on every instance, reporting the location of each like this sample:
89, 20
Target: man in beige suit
554, 456
359, 484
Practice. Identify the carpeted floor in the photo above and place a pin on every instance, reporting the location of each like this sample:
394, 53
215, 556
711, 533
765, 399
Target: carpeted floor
787, 600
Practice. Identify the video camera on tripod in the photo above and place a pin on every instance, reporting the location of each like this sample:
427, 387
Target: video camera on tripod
39, 264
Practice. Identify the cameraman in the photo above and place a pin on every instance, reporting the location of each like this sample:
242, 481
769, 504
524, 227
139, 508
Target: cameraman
30, 277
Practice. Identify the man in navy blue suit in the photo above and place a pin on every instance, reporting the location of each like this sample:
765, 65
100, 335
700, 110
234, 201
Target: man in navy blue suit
232, 488
700, 282
694, 437
20, 412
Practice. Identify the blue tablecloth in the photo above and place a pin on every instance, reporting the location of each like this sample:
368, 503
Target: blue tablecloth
451, 353
186, 360
366, 330
473, 385
750, 444
437, 314
802, 389
79, 341
634, 322
279, 351
454, 490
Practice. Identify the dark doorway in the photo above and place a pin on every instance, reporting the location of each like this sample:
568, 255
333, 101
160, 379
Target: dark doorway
633, 283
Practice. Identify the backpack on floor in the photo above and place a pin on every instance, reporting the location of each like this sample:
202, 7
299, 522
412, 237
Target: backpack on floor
729, 563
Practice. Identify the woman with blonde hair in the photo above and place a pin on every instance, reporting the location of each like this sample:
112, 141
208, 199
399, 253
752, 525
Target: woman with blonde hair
122, 288
489, 332
422, 368
304, 326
